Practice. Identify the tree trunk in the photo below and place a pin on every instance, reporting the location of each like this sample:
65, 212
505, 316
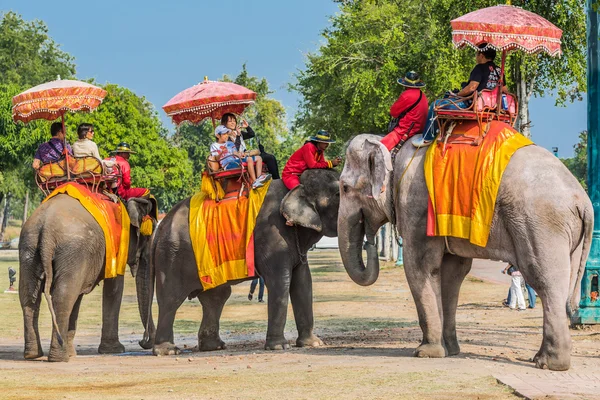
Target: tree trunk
524, 83
26, 207
6, 216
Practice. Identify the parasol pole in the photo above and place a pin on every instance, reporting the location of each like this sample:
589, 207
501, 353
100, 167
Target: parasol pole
65, 150
501, 84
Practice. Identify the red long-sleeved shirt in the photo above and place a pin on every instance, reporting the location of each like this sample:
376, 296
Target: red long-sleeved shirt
418, 115
306, 157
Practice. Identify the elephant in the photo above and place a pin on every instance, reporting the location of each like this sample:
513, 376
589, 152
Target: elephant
280, 258
543, 222
62, 254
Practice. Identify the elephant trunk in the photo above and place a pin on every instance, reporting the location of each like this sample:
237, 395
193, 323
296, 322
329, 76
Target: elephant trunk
144, 282
351, 232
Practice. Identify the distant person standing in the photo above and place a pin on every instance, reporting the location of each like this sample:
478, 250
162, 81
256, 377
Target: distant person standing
516, 294
261, 290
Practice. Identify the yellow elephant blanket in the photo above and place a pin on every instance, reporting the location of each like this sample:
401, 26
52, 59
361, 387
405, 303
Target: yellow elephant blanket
222, 236
463, 180
112, 218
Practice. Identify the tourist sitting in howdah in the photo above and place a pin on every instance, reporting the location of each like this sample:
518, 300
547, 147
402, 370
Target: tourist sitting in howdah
484, 76
85, 146
409, 112
52, 150
124, 189
230, 157
245, 132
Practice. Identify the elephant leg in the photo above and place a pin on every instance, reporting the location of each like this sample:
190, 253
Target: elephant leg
212, 302
278, 285
31, 297
63, 300
422, 267
168, 303
454, 270
112, 294
73, 328
552, 285
302, 304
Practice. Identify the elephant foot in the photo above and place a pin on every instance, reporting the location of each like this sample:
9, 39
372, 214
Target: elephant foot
210, 344
111, 348
58, 355
452, 348
545, 359
71, 350
146, 343
430, 351
277, 344
71, 344
32, 354
310, 341
165, 349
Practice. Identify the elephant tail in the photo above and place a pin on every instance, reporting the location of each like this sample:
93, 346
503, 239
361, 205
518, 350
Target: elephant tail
47, 254
586, 241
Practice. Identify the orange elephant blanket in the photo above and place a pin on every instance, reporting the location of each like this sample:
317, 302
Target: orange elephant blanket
463, 180
222, 236
112, 218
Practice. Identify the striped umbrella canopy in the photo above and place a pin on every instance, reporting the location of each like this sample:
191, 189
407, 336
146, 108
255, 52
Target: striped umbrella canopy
52, 99
505, 28
208, 99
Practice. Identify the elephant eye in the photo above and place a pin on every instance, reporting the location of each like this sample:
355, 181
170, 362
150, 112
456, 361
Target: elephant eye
345, 187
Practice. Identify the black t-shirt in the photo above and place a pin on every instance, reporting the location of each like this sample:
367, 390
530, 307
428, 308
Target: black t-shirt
488, 75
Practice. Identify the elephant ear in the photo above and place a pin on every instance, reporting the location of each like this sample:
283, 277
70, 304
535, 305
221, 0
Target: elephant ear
137, 208
296, 207
379, 162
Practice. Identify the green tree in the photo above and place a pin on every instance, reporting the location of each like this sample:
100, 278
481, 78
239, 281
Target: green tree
349, 84
578, 164
159, 164
28, 55
18, 143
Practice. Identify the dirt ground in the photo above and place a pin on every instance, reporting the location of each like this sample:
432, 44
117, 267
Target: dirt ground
370, 334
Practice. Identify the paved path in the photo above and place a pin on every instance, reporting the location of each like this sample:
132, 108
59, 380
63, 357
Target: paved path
553, 385
490, 271
538, 384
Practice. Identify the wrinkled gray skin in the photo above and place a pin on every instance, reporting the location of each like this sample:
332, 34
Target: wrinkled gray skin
313, 206
542, 222
62, 255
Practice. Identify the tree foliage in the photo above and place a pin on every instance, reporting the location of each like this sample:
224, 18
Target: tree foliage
158, 163
28, 55
578, 164
349, 84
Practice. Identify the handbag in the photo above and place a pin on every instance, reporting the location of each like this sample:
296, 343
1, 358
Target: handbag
395, 121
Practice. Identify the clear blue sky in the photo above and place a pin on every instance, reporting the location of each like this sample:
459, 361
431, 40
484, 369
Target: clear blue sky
158, 48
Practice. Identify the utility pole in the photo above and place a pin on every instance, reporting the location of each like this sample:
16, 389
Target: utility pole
589, 307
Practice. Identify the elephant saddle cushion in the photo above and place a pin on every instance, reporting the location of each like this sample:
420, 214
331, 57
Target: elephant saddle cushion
112, 218
222, 235
463, 179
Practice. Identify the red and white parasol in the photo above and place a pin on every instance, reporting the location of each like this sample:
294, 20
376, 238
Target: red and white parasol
52, 99
208, 99
505, 28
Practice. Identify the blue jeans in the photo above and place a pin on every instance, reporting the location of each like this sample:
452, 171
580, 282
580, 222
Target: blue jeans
261, 289
530, 294
432, 127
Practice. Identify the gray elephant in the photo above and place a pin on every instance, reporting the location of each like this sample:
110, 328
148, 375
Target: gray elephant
62, 254
280, 258
542, 222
